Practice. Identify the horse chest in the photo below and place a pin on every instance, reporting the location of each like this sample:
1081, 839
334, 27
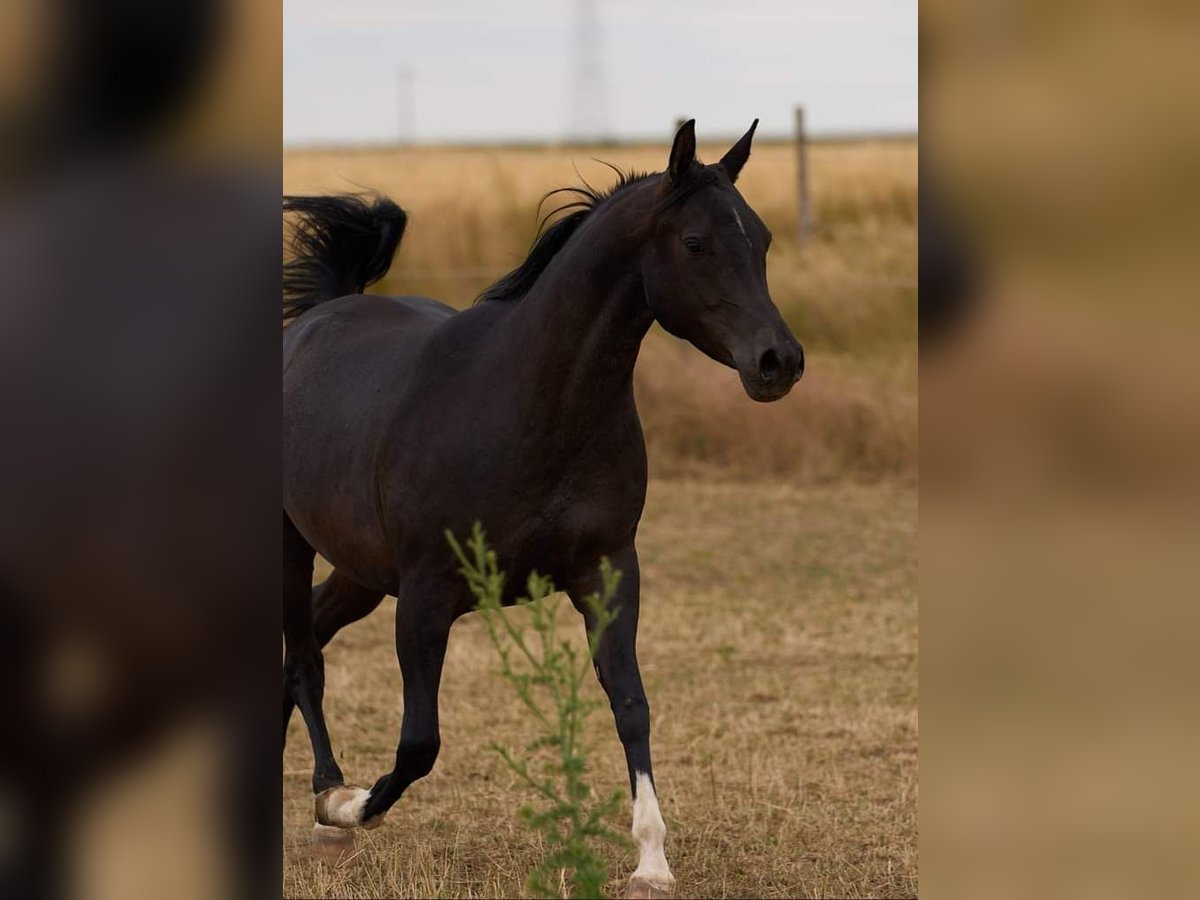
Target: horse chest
557, 512
593, 509
554, 493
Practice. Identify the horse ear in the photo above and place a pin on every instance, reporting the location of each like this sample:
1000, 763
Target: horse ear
683, 151
733, 161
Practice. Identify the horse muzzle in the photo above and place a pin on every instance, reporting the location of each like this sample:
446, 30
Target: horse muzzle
773, 371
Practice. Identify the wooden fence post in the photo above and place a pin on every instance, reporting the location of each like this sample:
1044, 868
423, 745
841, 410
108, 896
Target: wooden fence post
803, 203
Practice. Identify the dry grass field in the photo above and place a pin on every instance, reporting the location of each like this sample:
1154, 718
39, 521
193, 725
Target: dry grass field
778, 646
778, 633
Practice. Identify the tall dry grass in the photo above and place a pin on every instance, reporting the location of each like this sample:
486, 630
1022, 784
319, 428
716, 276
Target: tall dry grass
849, 294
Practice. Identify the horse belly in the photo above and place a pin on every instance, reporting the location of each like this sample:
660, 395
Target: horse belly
345, 535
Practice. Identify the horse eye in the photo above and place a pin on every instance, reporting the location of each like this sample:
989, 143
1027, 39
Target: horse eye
693, 245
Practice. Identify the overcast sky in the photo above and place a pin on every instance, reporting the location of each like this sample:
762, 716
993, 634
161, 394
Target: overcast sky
505, 69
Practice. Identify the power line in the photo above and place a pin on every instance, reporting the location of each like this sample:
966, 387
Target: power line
589, 115
406, 104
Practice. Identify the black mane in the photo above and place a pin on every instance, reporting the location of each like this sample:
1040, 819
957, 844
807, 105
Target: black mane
550, 240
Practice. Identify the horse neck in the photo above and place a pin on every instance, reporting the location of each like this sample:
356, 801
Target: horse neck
579, 330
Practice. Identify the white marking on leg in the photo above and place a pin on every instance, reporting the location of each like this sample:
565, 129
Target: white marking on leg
344, 807
649, 833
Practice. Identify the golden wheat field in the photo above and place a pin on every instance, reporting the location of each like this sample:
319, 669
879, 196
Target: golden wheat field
850, 295
778, 631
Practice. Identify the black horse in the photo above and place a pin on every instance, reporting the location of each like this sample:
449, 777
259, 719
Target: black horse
404, 418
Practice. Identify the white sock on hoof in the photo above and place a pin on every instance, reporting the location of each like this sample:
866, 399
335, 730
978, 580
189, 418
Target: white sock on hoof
343, 807
649, 833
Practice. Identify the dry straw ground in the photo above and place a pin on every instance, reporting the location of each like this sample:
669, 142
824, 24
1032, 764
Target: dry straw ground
778, 633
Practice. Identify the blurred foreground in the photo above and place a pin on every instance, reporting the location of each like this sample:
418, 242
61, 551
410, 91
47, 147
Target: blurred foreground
1060, 512
139, 629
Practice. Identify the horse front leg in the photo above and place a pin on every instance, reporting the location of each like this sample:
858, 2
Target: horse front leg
617, 668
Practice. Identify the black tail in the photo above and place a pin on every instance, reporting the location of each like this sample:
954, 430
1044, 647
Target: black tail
340, 245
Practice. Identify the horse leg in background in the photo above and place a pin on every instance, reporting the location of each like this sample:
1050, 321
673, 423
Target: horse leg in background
304, 666
422, 631
617, 668
337, 602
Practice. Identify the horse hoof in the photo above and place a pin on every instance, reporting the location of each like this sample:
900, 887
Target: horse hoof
334, 845
343, 806
641, 889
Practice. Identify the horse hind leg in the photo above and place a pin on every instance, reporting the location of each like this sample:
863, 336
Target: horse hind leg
304, 666
337, 601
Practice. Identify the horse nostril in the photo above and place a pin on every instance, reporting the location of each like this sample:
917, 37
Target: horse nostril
799, 361
768, 364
